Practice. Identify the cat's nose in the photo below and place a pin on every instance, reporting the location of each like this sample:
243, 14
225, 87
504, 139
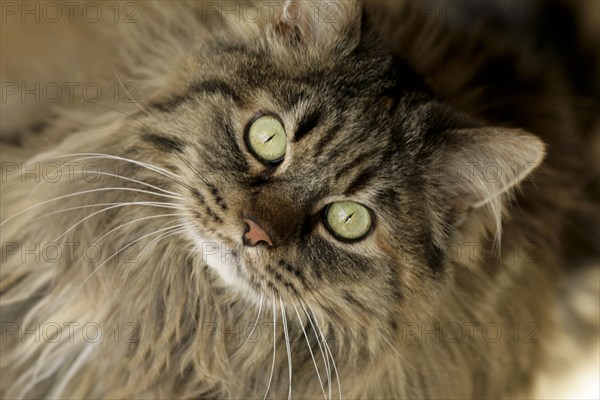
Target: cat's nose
255, 234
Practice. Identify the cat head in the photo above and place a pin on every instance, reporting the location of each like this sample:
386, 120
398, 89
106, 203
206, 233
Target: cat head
321, 168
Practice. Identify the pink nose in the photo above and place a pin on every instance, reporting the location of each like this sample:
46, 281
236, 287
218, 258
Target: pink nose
255, 234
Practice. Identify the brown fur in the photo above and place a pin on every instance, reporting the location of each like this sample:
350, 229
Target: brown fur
398, 106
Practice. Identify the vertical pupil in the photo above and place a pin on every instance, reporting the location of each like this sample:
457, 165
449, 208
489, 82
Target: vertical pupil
349, 220
266, 139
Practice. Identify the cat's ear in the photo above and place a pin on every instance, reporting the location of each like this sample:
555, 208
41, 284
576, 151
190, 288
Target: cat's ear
477, 166
320, 22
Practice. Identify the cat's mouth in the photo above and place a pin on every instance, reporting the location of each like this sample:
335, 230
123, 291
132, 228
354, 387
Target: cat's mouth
248, 264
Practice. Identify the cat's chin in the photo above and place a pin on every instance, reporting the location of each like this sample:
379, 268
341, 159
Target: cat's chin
221, 256
227, 270
227, 259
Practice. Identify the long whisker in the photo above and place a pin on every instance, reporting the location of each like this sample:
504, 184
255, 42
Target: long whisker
121, 112
138, 220
172, 232
274, 346
262, 295
85, 156
66, 196
127, 91
324, 353
140, 182
64, 210
195, 170
167, 174
125, 178
123, 249
287, 345
311, 352
314, 295
151, 167
169, 205
161, 237
328, 349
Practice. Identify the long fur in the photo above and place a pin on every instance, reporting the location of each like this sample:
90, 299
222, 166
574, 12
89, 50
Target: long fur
431, 305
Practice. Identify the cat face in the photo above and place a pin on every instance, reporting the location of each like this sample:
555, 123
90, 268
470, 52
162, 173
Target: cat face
313, 161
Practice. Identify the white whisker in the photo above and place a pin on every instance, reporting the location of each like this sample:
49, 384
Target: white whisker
125, 178
274, 346
328, 349
120, 112
161, 171
138, 220
163, 236
66, 196
324, 354
125, 89
287, 345
107, 209
176, 195
136, 203
311, 352
169, 233
123, 249
262, 295
86, 156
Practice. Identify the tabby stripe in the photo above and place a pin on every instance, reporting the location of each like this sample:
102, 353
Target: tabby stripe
362, 180
210, 87
170, 104
224, 125
340, 149
357, 161
196, 193
435, 259
164, 143
292, 270
327, 138
307, 125
295, 98
216, 87
217, 196
350, 299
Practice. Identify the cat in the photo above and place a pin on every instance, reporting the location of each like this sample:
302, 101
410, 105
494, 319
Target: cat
291, 199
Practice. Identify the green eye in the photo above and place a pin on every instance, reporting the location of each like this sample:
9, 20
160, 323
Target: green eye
266, 139
347, 220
